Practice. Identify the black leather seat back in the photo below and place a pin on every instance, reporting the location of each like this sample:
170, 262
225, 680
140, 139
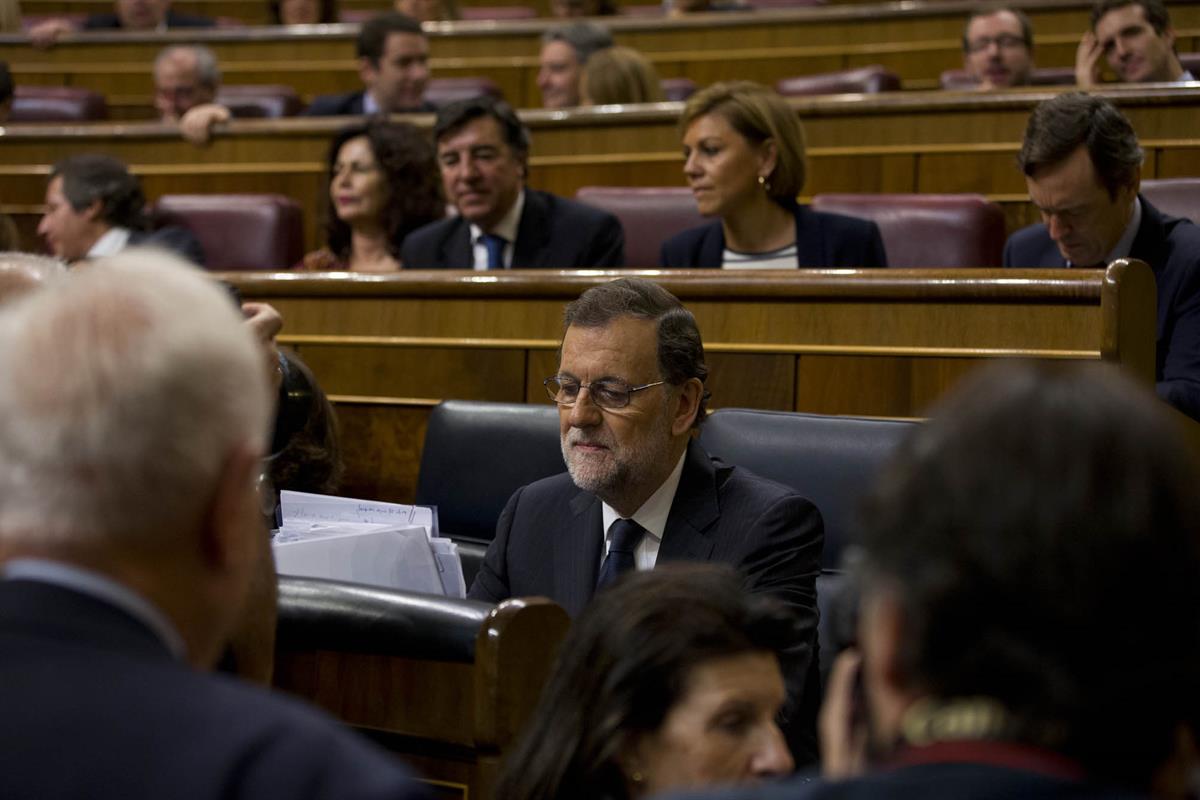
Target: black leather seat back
477, 454
830, 460
346, 617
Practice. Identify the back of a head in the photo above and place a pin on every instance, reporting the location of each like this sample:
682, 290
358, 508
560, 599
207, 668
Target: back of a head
91, 177
584, 37
624, 664
122, 392
758, 114
619, 75
372, 36
1040, 533
1059, 126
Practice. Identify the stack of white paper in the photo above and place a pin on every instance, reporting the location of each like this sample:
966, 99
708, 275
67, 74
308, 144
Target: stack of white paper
379, 544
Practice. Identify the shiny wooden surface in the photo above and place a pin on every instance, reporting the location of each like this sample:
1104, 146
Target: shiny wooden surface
451, 722
914, 142
872, 342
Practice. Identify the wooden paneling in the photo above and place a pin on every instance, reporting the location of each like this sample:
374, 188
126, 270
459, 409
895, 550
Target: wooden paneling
877, 342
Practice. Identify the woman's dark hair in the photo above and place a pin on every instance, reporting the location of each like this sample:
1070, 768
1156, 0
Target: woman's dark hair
410, 173
306, 454
624, 664
328, 15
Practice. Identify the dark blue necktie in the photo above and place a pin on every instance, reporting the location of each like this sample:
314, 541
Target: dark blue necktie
624, 538
495, 249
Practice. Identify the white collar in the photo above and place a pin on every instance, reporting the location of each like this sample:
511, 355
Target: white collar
112, 242
370, 106
654, 512
506, 228
100, 587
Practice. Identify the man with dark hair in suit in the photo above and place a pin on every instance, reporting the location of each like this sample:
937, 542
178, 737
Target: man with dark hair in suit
134, 410
640, 491
393, 62
94, 208
483, 151
1083, 167
1135, 37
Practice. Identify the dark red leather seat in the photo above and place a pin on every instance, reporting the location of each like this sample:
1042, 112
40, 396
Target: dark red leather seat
864, 80
269, 101
677, 88
928, 230
443, 91
239, 231
57, 104
1179, 197
649, 215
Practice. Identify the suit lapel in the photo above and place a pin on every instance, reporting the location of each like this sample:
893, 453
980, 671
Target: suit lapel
1148, 246
456, 248
577, 551
693, 511
529, 251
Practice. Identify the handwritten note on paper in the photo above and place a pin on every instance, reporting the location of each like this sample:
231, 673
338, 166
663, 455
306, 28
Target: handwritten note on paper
299, 506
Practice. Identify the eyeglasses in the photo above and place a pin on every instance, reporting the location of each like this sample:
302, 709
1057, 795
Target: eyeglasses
1005, 41
606, 393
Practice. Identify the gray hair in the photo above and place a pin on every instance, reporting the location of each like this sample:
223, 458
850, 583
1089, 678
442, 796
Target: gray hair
122, 394
207, 72
584, 38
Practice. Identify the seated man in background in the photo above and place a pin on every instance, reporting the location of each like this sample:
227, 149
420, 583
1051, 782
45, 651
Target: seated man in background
639, 491
119, 589
998, 48
565, 50
94, 208
483, 151
393, 63
1083, 167
185, 76
1137, 41
130, 15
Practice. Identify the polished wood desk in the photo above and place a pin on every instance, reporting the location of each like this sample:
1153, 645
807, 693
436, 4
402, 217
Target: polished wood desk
872, 342
912, 142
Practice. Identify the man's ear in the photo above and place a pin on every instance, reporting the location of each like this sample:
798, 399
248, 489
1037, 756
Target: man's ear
687, 400
231, 520
95, 211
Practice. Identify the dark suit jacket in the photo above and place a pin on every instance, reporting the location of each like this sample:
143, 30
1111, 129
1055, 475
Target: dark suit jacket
549, 542
102, 22
349, 104
1172, 249
94, 706
822, 240
553, 233
178, 240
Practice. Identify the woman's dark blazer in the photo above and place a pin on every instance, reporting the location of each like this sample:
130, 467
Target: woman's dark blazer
822, 240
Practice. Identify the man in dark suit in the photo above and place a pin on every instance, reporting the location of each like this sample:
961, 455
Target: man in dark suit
483, 150
640, 491
1082, 164
393, 62
133, 407
1029, 618
95, 208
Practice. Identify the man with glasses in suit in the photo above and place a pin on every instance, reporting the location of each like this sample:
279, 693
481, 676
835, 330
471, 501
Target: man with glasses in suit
639, 490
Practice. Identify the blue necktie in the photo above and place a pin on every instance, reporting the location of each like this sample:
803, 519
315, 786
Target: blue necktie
625, 535
495, 249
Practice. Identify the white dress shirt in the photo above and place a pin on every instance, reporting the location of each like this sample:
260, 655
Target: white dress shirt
112, 242
506, 228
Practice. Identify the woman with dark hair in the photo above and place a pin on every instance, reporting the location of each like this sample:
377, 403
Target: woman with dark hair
303, 12
744, 160
669, 680
383, 184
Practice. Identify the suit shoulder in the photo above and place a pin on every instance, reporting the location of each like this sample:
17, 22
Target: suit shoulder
683, 249
573, 209
844, 223
733, 480
554, 489
333, 105
420, 246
